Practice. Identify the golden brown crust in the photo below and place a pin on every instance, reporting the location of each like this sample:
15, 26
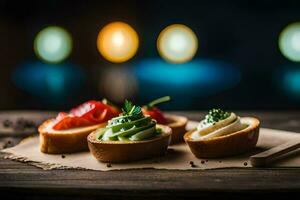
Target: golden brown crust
177, 124
227, 145
67, 141
120, 152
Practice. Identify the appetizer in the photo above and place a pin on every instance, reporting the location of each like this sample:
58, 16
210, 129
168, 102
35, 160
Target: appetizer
67, 133
223, 134
175, 122
128, 137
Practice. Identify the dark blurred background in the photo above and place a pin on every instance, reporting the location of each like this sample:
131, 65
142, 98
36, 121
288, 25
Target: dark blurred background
238, 64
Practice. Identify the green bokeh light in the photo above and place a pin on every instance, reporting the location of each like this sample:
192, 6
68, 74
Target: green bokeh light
289, 42
53, 44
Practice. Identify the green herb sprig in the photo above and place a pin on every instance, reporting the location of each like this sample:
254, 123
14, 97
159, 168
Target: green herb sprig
130, 109
108, 102
160, 100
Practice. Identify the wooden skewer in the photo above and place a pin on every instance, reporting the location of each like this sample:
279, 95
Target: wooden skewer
266, 157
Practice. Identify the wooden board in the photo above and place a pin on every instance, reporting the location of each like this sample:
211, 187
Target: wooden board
22, 180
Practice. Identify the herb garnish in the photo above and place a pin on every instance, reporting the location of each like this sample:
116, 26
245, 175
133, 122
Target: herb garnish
130, 109
215, 115
108, 102
153, 103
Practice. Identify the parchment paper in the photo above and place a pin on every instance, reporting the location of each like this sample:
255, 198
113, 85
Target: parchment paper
178, 156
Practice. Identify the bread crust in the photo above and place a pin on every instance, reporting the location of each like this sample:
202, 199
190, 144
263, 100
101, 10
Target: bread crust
67, 141
120, 152
228, 145
177, 124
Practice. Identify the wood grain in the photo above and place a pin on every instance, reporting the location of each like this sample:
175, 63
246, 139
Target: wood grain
22, 180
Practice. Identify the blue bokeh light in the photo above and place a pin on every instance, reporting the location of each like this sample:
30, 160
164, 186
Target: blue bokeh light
195, 79
287, 79
49, 81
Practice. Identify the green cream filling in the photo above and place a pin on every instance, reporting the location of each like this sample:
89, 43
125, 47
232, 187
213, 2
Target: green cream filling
129, 127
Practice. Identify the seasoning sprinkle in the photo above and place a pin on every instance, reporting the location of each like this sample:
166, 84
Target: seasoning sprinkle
108, 165
7, 123
192, 164
19, 124
63, 156
202, 161
245, 163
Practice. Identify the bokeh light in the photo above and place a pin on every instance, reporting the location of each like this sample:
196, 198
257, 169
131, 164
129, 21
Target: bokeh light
292, 82
117, 42
118, 84
51, 82
287, 79
289, 42
198, 79
53, 44
177, 43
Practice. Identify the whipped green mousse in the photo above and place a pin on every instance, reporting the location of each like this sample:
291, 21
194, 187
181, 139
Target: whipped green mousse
131, 125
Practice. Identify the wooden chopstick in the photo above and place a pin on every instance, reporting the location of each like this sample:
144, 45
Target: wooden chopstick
266, 157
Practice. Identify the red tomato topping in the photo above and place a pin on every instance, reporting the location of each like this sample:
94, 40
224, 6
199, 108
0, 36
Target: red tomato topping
156, 114
89, 113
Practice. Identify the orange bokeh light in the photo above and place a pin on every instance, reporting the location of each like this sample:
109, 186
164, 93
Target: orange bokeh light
117, 42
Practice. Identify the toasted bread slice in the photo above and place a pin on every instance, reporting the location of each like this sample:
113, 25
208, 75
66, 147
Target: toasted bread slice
120, 152
64, 141
177, 124
226, 145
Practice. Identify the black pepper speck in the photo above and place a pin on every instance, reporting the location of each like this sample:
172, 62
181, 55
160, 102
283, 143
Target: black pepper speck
108, 165
192, 164
7, 123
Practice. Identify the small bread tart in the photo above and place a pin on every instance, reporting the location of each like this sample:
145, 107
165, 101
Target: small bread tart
64, 141
177, 124
120, 151
226, 145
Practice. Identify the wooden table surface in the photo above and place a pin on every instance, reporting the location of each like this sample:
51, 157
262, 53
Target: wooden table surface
22, 180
